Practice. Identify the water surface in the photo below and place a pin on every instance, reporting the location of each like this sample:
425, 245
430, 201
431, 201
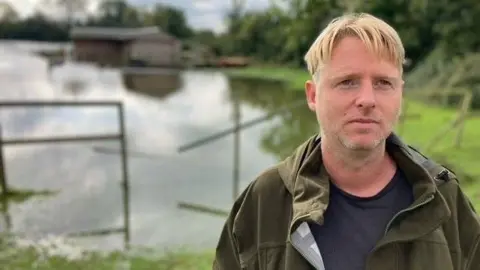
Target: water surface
163, 112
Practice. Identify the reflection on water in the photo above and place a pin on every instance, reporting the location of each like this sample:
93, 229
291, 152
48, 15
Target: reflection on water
163, 112
291, 128
155, 84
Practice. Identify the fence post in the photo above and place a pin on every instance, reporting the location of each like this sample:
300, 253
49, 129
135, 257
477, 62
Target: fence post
3, 183
3, 175
125, 179
464, 112
236, 150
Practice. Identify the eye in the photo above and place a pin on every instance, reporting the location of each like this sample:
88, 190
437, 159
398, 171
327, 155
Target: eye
383, 84
349, 83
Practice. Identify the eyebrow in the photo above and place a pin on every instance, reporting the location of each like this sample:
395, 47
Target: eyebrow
358, 75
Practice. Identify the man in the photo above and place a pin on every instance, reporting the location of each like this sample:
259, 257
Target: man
355, 197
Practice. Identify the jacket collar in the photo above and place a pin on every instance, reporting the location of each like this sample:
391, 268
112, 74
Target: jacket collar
309, 184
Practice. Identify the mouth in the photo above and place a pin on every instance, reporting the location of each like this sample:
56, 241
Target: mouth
363, 121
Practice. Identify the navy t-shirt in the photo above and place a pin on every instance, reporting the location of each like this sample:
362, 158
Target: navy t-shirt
353, 225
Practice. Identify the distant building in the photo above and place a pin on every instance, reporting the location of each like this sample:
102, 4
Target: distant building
120, 47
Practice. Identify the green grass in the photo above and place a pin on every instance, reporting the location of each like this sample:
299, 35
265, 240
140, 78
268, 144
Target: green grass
111, 262
294, 78
21, 195
50, 258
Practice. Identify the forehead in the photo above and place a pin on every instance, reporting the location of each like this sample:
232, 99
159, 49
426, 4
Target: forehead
351, 56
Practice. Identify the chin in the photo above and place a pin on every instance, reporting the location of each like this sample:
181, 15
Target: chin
362, 142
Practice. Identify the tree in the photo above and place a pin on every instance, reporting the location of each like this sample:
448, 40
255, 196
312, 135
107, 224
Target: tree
7, 13
71, 7
118, 13
170, 19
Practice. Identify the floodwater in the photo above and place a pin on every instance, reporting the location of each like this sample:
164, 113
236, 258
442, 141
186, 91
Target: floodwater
163, 111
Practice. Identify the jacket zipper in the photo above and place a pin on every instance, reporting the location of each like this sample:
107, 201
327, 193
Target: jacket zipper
406, 210
396, 216
436, 178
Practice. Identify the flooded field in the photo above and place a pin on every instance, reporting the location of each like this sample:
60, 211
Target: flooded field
163, 111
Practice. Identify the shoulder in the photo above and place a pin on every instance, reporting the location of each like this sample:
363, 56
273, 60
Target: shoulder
266, 193
437, 169
446, 179
463, 226
449, 183
266, 183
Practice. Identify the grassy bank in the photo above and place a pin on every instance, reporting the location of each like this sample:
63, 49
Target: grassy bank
422, 123
113, 262
294, 78
59, 256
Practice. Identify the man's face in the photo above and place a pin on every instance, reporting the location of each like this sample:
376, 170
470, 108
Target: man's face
357, 97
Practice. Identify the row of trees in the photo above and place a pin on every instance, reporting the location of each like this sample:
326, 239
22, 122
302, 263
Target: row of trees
282, 34
111, 13
279, 34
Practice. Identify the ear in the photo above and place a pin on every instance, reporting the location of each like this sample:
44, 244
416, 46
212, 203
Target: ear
311, 93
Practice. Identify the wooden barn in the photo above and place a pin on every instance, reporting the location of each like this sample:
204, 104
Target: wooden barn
122, 47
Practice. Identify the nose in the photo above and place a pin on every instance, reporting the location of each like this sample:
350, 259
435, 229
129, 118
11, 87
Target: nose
366, 96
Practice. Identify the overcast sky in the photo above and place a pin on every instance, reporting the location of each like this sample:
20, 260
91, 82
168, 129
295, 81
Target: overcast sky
200, 13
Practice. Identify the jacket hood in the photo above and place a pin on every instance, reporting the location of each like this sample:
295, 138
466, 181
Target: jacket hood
307, 181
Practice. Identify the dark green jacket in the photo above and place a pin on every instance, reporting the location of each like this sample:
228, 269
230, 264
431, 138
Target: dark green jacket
266, 227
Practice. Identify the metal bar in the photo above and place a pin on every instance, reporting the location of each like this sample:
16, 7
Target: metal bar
236, 151
4, 186
242, 126
125, 180
130, 153
203, 209
221, 134
464, 111
61, 139
101, 232
39, 103
3, 175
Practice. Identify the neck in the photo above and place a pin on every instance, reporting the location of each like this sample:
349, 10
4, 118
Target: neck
361, 173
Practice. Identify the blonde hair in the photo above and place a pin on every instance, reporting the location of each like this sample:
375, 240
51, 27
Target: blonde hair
378, 36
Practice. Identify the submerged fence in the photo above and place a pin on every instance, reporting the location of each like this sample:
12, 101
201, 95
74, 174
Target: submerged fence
237, 128
120, 136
